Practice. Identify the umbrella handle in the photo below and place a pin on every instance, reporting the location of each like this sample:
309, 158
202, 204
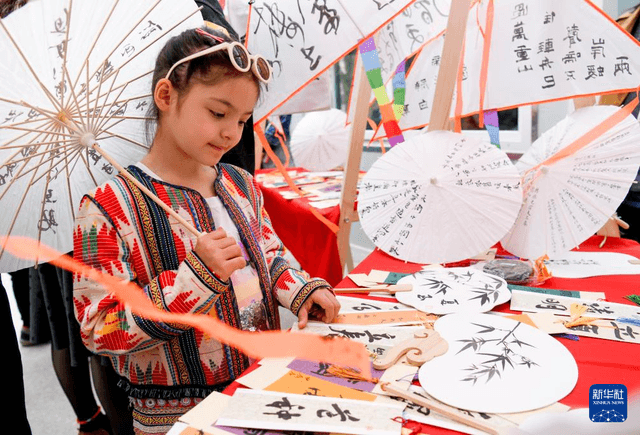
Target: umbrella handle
150, 194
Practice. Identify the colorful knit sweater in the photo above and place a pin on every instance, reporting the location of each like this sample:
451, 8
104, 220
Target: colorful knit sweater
122, 232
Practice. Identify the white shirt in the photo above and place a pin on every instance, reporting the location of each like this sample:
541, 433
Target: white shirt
245, 281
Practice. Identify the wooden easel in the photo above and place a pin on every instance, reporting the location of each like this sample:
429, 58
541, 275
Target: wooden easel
439, 120
348, 214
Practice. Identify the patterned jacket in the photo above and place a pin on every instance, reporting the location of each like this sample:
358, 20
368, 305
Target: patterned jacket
122, 232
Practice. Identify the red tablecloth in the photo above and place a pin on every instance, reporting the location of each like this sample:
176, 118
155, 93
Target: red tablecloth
599, 361
310, 241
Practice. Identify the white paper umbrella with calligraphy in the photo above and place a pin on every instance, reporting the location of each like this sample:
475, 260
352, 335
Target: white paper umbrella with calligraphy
53, 52
454, 290
439, 197
497, 365
568, 201
302, 39
539, 51
320, 140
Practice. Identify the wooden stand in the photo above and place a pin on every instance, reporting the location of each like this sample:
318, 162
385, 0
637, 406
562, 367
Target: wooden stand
448, 72
348, 214
439, 119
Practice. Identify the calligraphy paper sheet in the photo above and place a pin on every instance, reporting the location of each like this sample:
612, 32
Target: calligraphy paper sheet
203, 416
389, 318
321, 371
535, 302
268, 410
499, 421
555, 292
295, 382
606, 329
455, 289
492, 361
359, 305
372, 334
577, 264
377, 339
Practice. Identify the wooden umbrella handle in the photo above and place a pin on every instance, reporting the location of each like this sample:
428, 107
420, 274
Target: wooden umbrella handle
146, 191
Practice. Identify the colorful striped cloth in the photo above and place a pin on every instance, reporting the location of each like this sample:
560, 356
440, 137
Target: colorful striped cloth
389, 113
493, 126
399, 86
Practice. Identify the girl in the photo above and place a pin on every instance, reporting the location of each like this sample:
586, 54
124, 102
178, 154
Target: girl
202, 101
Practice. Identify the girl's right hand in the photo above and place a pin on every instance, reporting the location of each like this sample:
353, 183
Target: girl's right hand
220, 253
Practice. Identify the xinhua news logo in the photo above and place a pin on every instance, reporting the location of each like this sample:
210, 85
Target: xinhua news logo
608, 403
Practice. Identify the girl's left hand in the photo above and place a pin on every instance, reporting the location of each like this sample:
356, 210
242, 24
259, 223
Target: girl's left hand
321, 305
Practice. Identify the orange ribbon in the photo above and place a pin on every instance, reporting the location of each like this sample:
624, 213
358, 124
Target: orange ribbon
618, 116
268, 344
276, 160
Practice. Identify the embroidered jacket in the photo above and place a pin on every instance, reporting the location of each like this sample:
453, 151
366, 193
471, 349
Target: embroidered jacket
122, 232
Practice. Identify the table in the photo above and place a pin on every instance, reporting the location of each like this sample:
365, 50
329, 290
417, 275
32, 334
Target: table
599, 361
310, 241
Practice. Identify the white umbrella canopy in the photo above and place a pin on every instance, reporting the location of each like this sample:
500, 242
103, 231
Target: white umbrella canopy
72, 71
302, 39
439, 197
567, 201
320, 141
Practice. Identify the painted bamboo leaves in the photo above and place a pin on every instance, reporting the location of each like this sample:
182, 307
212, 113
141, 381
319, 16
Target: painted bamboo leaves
458, 289
502, 354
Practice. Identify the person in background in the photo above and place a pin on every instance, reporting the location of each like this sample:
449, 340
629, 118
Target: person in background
274, 136
20, 286
14, 408
73, 364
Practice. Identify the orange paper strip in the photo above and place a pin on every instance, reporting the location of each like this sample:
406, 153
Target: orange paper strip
272, 155
268, 344
295, 382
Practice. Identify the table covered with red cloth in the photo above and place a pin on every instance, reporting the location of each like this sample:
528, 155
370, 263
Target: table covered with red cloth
310, 241
599, 361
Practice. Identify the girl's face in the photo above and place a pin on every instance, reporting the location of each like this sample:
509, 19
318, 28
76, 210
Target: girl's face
208, 121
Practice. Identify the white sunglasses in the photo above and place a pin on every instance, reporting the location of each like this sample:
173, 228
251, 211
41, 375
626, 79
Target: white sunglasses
239, 57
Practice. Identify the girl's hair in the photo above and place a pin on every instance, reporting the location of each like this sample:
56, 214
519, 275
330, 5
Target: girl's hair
209, 69
8, 6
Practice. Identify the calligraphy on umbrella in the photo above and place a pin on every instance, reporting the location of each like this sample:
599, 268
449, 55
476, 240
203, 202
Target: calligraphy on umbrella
302, 39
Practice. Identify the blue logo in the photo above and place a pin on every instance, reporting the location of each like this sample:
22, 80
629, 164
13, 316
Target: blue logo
608, 403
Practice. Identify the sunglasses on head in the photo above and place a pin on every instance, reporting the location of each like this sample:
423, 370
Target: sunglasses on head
238, 55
